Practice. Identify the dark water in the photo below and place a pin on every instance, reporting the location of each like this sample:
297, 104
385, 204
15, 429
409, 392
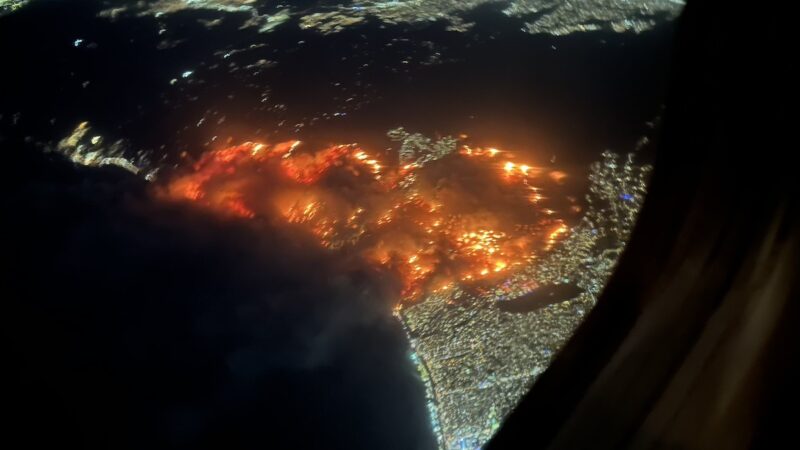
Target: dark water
541, 297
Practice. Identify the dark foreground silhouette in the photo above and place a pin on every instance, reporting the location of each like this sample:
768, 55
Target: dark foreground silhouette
693, 344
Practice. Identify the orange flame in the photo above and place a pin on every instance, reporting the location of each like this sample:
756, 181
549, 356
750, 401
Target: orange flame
413, 233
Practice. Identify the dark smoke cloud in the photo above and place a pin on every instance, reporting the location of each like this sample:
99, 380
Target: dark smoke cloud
133, 323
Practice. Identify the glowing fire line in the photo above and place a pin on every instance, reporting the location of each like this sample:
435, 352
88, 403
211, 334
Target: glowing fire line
412, 233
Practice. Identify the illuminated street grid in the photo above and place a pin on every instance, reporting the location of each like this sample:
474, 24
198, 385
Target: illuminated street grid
478, 361
555, 17
8, 6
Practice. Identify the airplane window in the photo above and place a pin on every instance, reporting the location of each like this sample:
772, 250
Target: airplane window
317, 224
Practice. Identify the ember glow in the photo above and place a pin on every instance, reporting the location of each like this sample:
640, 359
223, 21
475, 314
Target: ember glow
463, 217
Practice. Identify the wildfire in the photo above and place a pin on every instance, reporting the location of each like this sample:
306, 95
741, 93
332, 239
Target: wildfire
555, 235
490, 152
342, 194
301, 213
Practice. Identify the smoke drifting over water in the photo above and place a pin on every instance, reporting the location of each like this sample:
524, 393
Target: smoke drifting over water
433, 213
182, 329
437, 215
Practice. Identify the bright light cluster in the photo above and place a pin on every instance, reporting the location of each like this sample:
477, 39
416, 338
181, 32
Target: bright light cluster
395, 215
